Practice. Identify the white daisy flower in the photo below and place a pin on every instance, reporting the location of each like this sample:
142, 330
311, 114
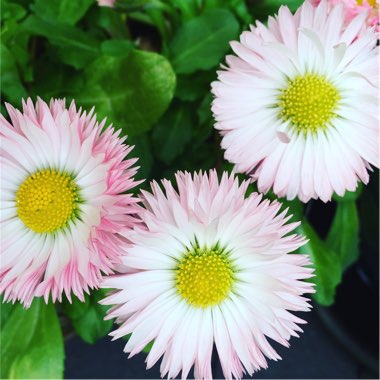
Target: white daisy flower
298, 106
210, 266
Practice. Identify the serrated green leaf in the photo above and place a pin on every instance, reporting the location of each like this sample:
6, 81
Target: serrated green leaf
201, 43
172, 133
327, 263
133, 91
343, 236
32, 343
87, 317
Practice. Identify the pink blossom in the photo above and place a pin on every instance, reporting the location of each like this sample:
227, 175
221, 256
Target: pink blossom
65, 201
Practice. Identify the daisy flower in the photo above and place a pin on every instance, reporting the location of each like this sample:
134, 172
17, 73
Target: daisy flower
63, 201
353, 7
297, 105
210, 266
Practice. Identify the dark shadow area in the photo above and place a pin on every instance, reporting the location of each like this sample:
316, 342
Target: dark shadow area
316, 355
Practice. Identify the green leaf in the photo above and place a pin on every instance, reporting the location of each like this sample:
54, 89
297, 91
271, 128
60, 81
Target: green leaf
204, 111
327, 263
5, 311
11, 85
53, 78
195, 86
117, 48
133, 5
205, 126
239, 7
187, 9
201, 43
74, 46
32, 343
63, 35
62, 11
10, 10
133, 92
17, 333
18, 42
172, 133
343, 236
114, 23
87, 317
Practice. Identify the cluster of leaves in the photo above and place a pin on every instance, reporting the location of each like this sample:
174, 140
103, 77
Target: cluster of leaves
147, 66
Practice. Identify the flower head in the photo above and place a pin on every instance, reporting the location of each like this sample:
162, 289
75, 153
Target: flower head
353, 7
210, 266
63, 202
297, 106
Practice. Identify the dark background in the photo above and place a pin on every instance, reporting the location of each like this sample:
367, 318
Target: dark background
340, 342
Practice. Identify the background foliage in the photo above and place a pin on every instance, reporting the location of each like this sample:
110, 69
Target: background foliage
147, 66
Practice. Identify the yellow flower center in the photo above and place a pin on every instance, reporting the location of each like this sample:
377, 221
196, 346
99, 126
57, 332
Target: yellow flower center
372, 3
204, 277
47, 200
309, 102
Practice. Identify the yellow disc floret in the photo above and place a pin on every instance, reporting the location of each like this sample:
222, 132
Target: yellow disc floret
309, 102
204, 277
47, 200
372, 3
